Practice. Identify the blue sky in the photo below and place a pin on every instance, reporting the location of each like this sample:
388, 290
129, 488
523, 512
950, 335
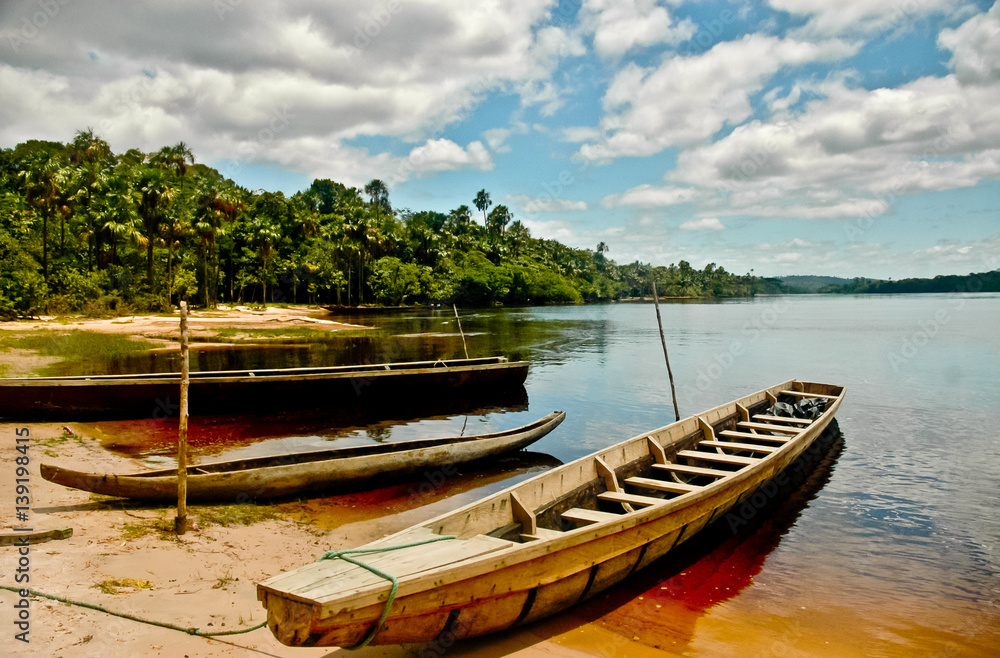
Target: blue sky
853, 138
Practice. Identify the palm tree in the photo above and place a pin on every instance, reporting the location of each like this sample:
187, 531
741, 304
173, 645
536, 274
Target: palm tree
498, 220
517, 237
217, 203
118, 214
92, 154
264, 235
155, 194
171, 232
483, 202
379, 193
41, 182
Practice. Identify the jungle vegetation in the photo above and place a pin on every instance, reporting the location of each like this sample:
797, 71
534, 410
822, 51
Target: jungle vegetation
83, 229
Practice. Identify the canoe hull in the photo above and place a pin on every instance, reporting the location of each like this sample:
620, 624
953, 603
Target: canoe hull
288, 475
261, 391
525, 582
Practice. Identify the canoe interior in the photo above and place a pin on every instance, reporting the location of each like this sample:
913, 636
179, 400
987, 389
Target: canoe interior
558, 538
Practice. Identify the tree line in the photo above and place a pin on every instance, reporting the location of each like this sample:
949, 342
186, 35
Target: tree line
83, 229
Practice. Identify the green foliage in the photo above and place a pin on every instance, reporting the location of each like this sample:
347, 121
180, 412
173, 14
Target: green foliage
22, 288
85, 230
395, 282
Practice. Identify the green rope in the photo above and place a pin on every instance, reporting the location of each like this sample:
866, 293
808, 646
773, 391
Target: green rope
331, 555
173, 627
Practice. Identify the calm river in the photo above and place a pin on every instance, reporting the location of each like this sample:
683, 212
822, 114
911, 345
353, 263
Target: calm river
891, 549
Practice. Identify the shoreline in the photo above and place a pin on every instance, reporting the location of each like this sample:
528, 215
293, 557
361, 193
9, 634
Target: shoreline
163, 331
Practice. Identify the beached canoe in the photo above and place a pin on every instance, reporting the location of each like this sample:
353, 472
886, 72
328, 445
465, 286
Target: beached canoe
295, 474
546, 543
255, 391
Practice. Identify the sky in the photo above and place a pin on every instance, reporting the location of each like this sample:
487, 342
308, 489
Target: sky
848, 138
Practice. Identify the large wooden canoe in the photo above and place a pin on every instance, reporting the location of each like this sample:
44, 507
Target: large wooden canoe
254, 391
544, 544
284, 475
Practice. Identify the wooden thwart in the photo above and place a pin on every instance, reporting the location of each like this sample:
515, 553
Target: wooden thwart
632, 499
691, 470
800, 394
588, 516
730, 434
781, 419
662, 485
767, 427
715, 457
542, 534
739, 446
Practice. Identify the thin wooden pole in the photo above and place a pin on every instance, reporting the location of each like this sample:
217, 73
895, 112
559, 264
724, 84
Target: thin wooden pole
663, 341
459, 321
180, 523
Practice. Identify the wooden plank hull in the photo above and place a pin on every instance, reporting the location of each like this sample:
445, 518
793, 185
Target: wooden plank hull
158, 396
529, 575
285, 475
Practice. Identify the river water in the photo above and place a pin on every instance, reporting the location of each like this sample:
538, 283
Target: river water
892, 547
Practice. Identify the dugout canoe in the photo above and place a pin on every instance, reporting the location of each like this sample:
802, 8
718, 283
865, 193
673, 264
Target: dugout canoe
295, 474
255, 391
542, 545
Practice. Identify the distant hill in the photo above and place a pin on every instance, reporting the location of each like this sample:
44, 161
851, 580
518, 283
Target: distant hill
981, 282
810, 284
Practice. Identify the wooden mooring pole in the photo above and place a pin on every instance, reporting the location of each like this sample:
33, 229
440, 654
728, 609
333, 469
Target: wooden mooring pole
663, 341
180, 523
459, 321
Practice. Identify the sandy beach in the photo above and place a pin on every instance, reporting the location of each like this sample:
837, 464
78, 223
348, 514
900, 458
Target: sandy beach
124, 556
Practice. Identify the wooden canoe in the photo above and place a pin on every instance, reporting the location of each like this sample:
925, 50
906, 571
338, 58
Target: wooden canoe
546, 543
255, 391
285, 475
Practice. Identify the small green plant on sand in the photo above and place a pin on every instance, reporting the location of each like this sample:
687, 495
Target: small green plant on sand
117, 585
223, 580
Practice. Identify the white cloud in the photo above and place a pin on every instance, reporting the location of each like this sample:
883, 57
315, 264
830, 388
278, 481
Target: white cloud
547, 204
976, 47
622, 25
862, 16
555, 229
650, 196
706, 224
183, 71
688, 99
851, 154
446, 155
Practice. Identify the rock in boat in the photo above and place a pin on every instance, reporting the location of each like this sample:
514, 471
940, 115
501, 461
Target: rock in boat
306, 472
547, 543
256, 391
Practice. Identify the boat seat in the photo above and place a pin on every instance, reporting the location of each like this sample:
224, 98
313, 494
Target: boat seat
781, 419
588, 516
800, 394
662, 485
740, 446
632, 499
716, 457
730, 434
541, 534
768, 427
692, 470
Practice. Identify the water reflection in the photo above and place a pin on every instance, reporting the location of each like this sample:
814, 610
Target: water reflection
661, 605
255, 435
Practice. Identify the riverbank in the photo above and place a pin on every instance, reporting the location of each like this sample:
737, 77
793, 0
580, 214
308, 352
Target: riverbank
221, 328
